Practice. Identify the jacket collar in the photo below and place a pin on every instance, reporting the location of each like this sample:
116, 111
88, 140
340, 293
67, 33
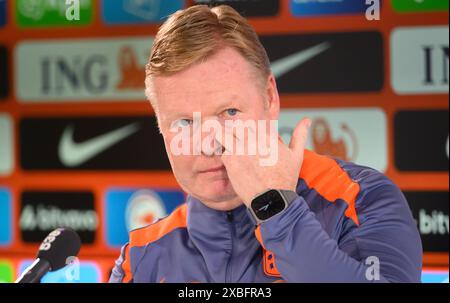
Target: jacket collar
208, 222
220, 240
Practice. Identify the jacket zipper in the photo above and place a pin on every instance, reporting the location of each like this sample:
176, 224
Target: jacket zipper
228, 274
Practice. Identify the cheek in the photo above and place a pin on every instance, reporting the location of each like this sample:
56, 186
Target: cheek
258, 110
257, 116
182, 170
182, 164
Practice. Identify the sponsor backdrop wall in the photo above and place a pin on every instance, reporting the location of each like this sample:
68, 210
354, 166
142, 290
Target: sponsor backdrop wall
79, 145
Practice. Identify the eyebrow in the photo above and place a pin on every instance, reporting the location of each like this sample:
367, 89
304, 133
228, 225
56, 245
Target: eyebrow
222, 106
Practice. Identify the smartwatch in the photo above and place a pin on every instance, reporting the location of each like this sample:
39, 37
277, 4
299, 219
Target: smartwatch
269, 203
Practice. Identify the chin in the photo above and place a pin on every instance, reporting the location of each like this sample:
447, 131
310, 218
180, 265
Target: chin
217, 191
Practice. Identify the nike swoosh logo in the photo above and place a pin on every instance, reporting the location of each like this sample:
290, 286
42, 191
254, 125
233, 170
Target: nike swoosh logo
73, 154
285, 65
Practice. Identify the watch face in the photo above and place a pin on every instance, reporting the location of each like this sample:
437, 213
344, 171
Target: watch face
268, 204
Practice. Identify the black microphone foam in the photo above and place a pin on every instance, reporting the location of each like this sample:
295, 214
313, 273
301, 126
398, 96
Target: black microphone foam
60, 244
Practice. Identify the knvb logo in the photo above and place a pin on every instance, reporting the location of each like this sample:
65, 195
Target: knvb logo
145, 208
128, 209
420, 61
84, 70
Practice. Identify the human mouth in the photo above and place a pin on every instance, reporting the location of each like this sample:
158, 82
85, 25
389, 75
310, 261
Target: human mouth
215, 169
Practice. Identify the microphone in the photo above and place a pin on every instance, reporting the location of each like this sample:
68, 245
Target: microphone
53, 254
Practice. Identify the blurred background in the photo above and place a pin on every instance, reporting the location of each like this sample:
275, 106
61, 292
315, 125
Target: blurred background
79, 145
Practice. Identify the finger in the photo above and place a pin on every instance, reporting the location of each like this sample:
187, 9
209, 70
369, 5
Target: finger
210, 146
300, 136
227, 139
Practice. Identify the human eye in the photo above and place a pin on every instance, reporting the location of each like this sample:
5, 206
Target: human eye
182, 123
231, 112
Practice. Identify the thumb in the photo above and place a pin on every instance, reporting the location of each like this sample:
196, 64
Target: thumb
300, 136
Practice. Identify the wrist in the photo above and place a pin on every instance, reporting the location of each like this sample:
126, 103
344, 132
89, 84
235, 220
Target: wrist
270, 203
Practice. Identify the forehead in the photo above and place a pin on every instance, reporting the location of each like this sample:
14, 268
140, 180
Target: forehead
223, 77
